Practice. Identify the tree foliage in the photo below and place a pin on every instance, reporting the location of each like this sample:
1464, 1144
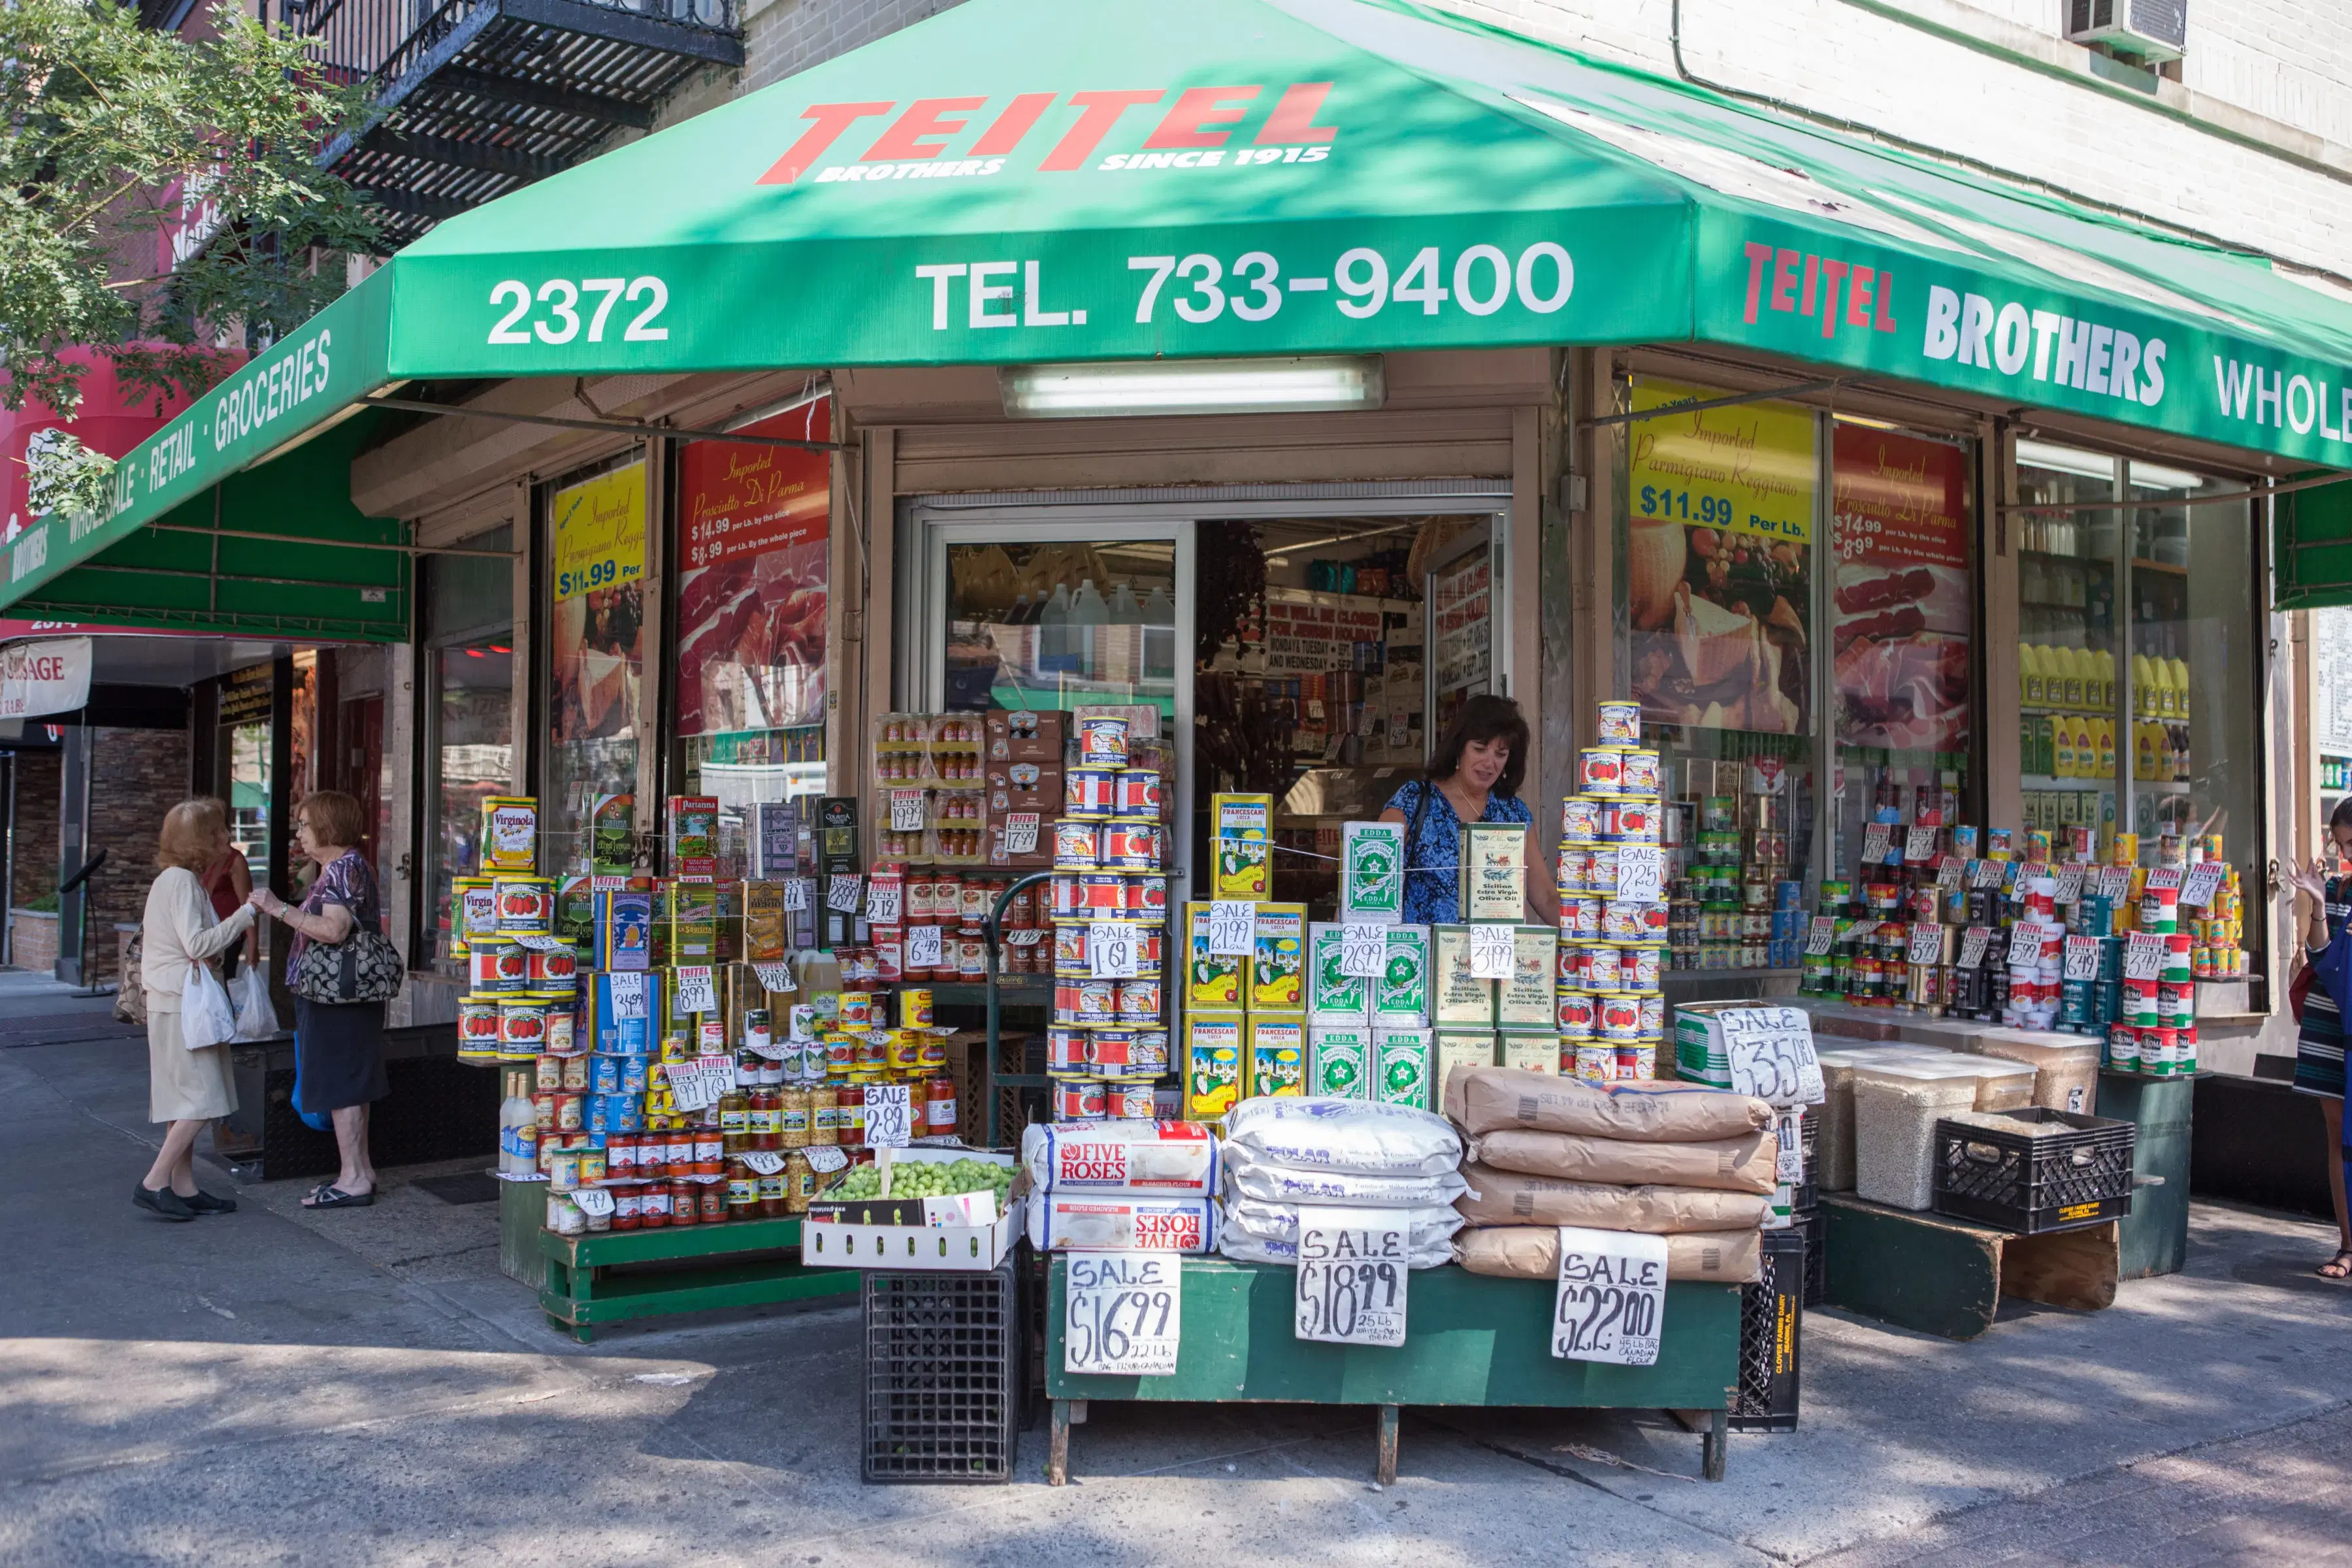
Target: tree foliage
112, 136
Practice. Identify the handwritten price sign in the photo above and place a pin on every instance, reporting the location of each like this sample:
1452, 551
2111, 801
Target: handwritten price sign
1124, 1314
842, 891
1772, 1054
1641, 872
1233, 928
1493, 953
1351, 1276
1610, 1301
695, 992
1111, 949
1363, 949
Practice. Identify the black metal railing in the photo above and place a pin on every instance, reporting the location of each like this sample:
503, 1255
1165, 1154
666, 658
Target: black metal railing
379, 41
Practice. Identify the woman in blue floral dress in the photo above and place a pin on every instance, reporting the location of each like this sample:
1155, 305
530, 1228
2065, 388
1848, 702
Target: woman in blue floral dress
1474, 777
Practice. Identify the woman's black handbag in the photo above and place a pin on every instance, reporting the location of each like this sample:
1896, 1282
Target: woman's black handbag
363, 967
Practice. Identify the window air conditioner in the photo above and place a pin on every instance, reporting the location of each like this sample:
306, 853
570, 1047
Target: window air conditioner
2147, 30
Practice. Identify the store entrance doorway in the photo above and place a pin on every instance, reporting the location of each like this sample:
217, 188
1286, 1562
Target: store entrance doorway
1307, 649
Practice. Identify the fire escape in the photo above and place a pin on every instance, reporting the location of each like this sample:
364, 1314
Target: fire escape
473, 98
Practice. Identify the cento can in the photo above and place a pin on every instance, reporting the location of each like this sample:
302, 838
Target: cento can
1599, 771
1128, 1102
1079, 1099
1131, 847
1137, 793
1076, 844
1102, 741
1089, 793
1637, 771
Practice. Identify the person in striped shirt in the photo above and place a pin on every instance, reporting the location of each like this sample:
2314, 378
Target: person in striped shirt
2319, 1041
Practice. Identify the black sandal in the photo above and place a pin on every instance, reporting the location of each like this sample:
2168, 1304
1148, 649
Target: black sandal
2341, 1264
326, 1195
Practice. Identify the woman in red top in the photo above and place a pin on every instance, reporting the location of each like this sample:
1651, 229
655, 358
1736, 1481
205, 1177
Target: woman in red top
229, 882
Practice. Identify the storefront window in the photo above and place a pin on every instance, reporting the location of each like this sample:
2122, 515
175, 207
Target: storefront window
469, 666
753, 524
596, 548
2196, 753
1902, 617
1718, 591
2068, 668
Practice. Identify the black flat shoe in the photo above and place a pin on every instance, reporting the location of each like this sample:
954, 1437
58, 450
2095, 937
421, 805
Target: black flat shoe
165, 1202
204, 1203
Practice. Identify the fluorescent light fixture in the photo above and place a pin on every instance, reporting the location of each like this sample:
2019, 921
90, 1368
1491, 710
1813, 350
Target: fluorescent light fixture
2157, 477
2065, 459
1307, 383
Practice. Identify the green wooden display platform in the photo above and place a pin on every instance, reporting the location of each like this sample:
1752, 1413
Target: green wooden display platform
745, 1264
1470, 1339
1946, 1276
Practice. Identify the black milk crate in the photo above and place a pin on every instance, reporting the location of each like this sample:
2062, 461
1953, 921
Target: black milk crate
944, 1365
2017, 1181
1771, 1319
1816, 1226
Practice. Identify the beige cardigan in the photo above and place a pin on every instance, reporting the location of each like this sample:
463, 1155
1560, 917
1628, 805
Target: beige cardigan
179, 931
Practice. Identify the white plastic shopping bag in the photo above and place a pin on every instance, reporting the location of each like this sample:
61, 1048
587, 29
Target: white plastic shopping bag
206, 1017
256, 1019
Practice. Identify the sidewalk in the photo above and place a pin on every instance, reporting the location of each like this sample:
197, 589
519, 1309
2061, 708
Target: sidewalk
363, 1387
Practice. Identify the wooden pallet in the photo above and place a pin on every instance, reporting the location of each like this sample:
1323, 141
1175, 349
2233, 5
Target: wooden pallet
597, 1279
1946, 1276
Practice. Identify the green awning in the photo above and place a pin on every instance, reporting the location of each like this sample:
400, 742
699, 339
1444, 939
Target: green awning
1047, 180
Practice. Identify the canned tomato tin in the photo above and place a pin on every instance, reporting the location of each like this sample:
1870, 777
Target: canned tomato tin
1637, 968
1131, 847
1078, 1099
1063, 896
1146, 895
478, 1024
526, 904
1572, 965
1575, 874
1596, 1064
1138, 794
1577, 1014
914, 1007
1620, 724
1580, 919
1579, 818
1599, 771
1089, 793
1085, 1002
857, 1010
1630, 822
1070, 959
1653, 1017
497, 965
1102, 741
1636, 1063
1637, 771
1076, 845
1618, 1015
1102, 895
1601, 870
1139, 1002
555, 970
522, 1026
1128, 1102
1068, 1050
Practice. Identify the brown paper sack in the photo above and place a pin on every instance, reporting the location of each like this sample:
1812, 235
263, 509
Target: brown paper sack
1532, 1252
1483, 1099
1508, 1197
1742, 1164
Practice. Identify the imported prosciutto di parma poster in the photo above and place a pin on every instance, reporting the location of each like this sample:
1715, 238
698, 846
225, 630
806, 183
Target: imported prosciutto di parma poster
1902, 605
752, 529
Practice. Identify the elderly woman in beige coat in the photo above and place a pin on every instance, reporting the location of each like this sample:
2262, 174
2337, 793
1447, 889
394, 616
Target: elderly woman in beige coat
186, 1088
